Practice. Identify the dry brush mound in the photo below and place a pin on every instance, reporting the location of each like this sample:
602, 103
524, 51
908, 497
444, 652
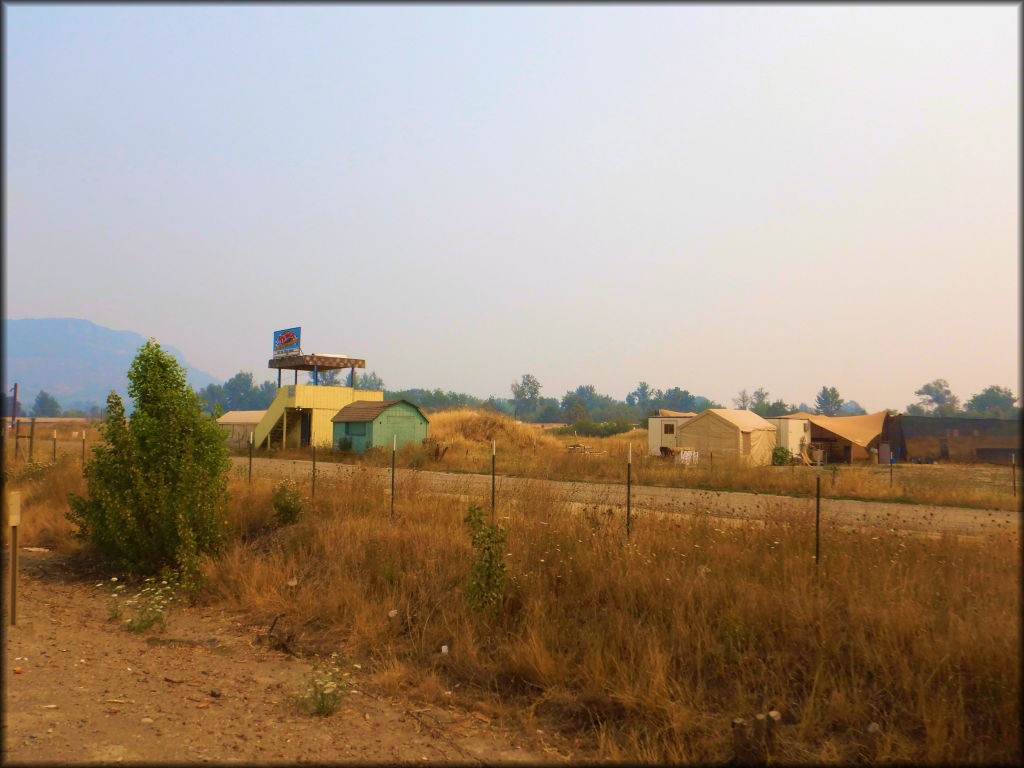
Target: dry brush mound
485, 426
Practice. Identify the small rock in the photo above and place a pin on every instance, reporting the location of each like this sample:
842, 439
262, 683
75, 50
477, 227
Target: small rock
215, 692
146, 720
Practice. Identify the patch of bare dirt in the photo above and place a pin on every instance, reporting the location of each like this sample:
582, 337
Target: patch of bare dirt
80, 688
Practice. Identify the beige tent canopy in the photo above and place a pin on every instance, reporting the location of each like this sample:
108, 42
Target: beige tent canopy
677, 414
859, 430
739, 435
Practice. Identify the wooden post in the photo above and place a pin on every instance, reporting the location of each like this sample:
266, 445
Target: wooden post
312, 494
55, 446
817, 520
14, 520
83, 447
17, 437
394, 450
494, 452
31, 437
251, 444
629, 483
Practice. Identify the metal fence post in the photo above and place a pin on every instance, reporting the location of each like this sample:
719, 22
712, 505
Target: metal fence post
629, 486
817, 521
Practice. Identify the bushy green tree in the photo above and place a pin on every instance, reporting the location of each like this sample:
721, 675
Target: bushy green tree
367, 381
157, 483
993, 402
45, 405
828, 402
526, 394
937, 399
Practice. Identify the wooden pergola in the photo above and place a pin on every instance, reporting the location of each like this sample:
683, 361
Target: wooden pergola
314, 363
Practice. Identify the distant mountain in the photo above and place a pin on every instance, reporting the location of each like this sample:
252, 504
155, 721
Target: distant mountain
76, 361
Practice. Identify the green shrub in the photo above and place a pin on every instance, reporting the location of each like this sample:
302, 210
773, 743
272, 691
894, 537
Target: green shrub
157, 482
325, 688
487, 574
288, 502
782, 456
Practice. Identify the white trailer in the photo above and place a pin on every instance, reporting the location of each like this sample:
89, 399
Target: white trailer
664, 431
794, 434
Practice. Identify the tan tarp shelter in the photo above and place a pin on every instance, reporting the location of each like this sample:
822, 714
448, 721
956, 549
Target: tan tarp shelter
741, 436
677, 414
862, 431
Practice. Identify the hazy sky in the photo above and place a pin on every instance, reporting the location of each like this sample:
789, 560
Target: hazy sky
710, 197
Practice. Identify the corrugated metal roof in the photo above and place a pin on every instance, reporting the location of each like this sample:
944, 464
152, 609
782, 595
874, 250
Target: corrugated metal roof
241, 417
365, 410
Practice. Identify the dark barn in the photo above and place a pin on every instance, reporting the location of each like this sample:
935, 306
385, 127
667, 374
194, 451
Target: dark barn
994, 441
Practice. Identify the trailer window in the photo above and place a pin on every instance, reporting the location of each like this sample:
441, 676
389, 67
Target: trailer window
670, 429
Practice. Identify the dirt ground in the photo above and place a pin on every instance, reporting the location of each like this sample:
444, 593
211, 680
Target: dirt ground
79, 688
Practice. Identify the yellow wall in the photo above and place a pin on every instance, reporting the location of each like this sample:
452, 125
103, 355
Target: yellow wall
323, 401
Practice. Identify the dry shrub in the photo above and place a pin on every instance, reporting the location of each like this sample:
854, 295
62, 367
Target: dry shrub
484, 426
44, 488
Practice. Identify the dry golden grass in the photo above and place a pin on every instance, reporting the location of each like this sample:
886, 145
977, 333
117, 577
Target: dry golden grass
650, 646
44, 490
523, 450
464, 438
655, 644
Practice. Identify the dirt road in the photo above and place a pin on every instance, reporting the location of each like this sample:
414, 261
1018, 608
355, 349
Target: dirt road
79, 688
915, 518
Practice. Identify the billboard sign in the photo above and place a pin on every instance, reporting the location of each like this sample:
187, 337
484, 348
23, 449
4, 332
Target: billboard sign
286, 342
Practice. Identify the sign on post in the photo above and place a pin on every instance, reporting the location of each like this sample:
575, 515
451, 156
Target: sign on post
14, 520
286, 342
14, 509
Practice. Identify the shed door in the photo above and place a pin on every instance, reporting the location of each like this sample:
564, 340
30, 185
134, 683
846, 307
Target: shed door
746, 443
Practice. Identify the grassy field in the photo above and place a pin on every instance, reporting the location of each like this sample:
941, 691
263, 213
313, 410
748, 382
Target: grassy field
647, 647
464, 437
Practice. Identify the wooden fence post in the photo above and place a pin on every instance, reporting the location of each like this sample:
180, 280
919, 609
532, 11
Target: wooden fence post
14, 520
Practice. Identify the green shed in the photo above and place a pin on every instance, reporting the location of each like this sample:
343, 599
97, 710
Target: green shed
367, 424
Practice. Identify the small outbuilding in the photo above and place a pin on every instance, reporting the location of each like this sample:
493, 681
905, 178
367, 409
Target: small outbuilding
238, 425
734, 435
362, 425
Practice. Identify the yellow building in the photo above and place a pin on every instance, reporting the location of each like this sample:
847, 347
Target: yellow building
301, 414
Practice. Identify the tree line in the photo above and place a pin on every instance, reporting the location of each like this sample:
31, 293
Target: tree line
583, 407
